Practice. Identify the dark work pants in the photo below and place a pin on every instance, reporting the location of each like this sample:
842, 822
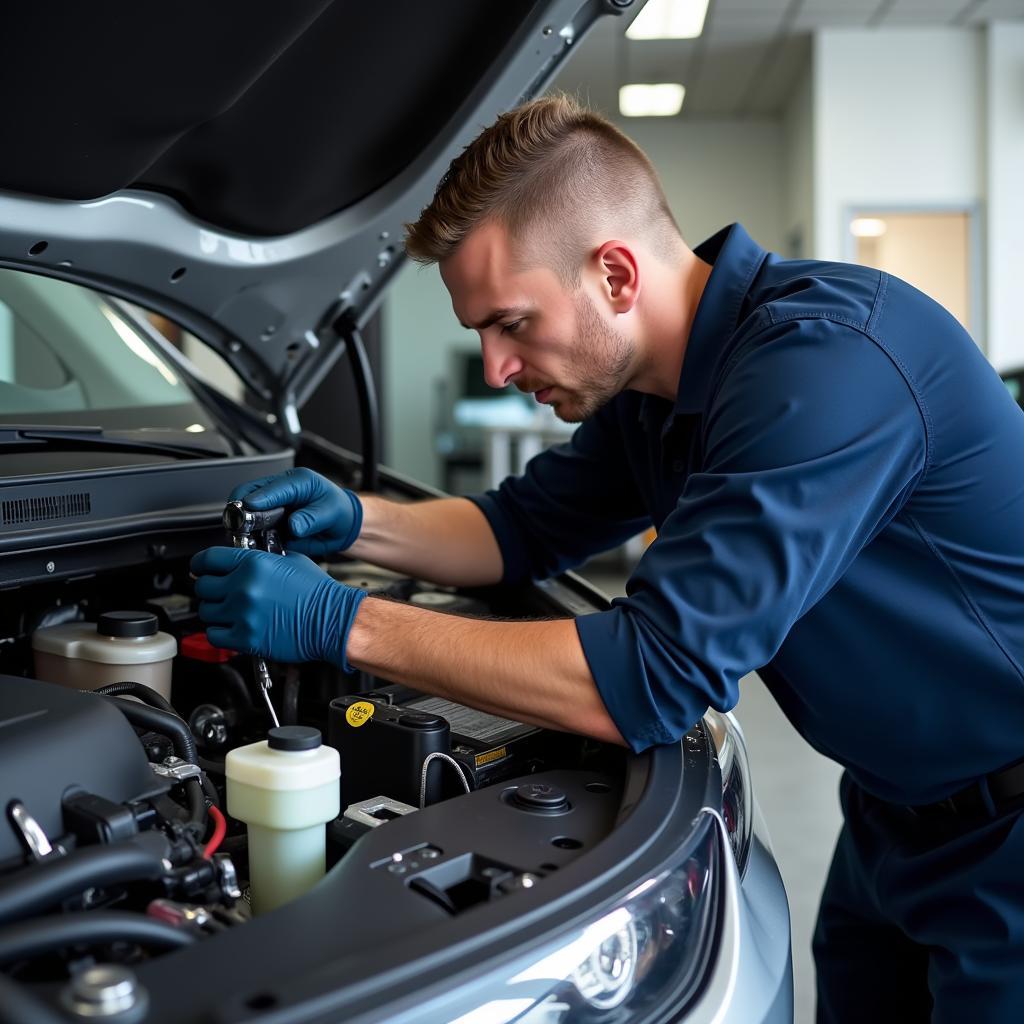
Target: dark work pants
921, 919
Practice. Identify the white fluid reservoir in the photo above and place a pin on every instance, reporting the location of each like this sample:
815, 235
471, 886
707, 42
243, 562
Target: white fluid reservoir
285, 788
121, 646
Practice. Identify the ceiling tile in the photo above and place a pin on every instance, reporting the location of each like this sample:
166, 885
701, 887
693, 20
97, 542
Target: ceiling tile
654, 51
769, 94
723, 79
739, 36
808, 21
757, 22
825, 7
730, 8
929, 12
993, 9
915, 19
941, 8
726, 71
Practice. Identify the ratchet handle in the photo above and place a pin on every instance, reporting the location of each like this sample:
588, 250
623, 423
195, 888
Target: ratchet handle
246, 521
252, 528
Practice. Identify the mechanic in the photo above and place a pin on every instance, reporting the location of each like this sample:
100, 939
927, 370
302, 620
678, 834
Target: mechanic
836, 476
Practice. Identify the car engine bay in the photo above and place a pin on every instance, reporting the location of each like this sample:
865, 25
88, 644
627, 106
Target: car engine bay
119, 844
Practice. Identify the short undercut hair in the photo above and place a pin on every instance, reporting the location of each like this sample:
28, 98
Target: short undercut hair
553, 173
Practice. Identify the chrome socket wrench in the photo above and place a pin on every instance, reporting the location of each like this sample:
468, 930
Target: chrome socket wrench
249, 528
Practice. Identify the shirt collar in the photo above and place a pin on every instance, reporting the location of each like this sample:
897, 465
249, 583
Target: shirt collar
734, 257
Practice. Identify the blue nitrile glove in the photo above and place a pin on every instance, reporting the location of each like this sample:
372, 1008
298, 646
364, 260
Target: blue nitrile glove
283, 607
326, 518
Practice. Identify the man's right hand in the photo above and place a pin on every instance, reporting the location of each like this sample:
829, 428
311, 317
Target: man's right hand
325, 518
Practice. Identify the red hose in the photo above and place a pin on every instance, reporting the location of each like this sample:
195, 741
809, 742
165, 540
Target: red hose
219, 831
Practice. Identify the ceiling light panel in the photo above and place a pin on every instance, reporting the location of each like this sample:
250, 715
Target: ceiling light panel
662, 99
669, 19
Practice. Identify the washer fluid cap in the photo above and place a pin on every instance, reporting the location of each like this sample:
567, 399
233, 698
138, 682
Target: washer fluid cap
127, 624
540, 796
293, 737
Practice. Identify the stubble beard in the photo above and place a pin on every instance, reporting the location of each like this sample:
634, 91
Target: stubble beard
603, 363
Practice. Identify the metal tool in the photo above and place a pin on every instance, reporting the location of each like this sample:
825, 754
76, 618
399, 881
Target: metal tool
250, 528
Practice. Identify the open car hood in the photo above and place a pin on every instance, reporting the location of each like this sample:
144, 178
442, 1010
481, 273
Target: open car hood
246, 167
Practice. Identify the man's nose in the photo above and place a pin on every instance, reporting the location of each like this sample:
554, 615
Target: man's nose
501, 364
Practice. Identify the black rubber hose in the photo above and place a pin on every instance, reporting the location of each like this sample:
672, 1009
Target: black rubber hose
29, 892
48, 934
366, 391
234, 678
290, 696
140, 690
18, 1005
167, 723
196, 802
210, 790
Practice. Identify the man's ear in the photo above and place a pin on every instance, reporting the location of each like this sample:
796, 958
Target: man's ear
619, 270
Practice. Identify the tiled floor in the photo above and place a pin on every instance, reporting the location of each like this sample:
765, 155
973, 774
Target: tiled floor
797, 790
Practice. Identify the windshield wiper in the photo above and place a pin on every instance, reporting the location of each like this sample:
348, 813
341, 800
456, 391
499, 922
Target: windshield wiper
30, 435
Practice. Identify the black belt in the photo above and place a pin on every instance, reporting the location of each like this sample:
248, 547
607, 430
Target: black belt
1005, 792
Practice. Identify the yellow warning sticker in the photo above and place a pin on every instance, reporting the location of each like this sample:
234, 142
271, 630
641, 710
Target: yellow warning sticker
360, 713
490, 755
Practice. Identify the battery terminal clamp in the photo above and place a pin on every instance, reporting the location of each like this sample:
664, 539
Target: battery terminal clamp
176, 769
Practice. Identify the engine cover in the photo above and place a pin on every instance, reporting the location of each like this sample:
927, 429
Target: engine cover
54, 741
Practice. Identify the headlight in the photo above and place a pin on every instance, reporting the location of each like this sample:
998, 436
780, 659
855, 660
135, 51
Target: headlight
737, 797
649, 951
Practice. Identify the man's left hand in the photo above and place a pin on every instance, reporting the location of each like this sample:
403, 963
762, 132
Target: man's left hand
283, 607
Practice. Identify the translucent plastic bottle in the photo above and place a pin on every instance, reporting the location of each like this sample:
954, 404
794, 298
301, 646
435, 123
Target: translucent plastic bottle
285, 788
121, 646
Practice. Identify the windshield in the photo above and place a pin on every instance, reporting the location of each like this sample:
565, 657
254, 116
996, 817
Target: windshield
68, 355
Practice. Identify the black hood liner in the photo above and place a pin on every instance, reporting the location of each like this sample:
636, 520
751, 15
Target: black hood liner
259, 116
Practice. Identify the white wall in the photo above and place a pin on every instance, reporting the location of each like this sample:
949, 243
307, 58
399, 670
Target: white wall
898, 121
928, 117
1005, 186
798, 168
713, 173
716, 172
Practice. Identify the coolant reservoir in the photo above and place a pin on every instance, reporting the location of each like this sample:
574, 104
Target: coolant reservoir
285, 788
120, 647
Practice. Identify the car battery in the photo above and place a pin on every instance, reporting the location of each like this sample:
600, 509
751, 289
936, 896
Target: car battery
489, 748
384, 747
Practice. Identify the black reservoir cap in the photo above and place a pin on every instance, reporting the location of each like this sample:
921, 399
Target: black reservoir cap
541, 797
420, 720
293, 737
127, 624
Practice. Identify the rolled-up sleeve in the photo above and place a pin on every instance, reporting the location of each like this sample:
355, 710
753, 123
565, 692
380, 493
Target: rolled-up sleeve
572, 501
812, 440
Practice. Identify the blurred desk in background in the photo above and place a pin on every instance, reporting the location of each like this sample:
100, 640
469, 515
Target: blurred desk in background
507, 450
497, 437
513, 429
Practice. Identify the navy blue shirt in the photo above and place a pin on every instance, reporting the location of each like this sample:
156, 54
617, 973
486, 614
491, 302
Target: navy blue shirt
838, 491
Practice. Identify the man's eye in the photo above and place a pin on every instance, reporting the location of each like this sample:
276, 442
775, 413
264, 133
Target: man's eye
512, 327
